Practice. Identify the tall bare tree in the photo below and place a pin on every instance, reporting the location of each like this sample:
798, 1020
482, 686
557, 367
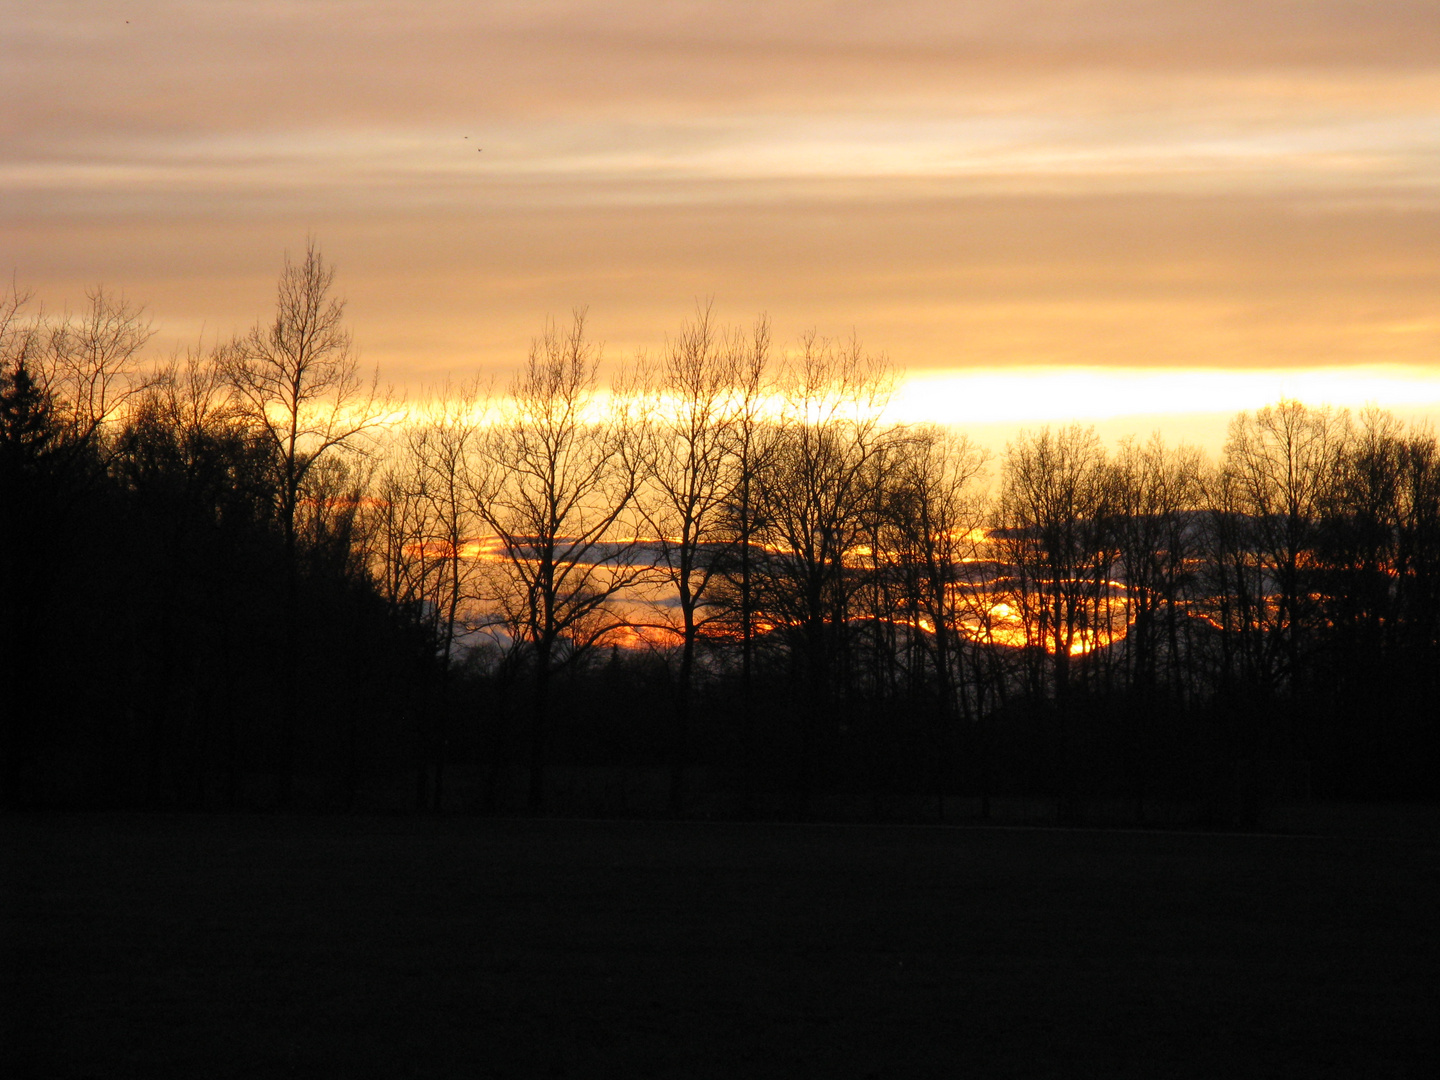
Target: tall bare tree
297, 383
1155, 501
692, 393
1279, 463
556, 479
752, 440
431, 483
1052, 507
932, 511
815, 491
1052, 495
1157, 494
1417, 563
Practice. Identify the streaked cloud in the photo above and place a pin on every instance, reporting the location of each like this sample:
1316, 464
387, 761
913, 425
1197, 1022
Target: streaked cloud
1103, 184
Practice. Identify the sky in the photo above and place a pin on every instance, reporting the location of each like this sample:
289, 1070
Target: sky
1145, 214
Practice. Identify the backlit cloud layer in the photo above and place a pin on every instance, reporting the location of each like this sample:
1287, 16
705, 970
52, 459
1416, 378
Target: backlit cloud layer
979, 186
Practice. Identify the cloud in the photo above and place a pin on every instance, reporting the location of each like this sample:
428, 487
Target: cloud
990, 183
247, 66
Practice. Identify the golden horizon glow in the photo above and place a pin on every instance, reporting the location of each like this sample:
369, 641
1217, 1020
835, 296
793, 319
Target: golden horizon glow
1103, 393
994, 405
1054, 199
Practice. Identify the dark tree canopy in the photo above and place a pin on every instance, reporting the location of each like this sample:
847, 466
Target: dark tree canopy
721, 585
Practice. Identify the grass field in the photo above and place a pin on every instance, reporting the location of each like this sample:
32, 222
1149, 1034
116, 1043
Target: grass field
199, 946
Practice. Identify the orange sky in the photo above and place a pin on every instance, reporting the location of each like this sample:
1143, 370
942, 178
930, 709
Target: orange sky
967, 186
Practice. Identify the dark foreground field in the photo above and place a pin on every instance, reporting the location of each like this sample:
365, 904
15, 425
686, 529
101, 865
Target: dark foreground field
260, 946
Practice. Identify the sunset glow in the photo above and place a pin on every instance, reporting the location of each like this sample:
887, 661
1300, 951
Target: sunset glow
1095, 393
1039, 213
1138, 219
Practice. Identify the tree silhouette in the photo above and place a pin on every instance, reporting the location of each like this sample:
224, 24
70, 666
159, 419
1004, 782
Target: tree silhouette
297, 383
89, 360
932, 509
813, 492
1280, 461
1052, 507
557, 473
424, 523
695, 396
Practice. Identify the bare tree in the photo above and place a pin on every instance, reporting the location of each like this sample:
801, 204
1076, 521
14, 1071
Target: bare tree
405, 563
62, 383
932, 511
30, 438
19, 332
692, 393
83, 365
184, 442
296, 380
1234, 590
1052, 508
89, 360
752, 439
556, 478
1279, 463
1417, 563
1053, 488
409, 566
297, 383
189, 393
432, 483
1156, 495
1358, 542
814, 491
28, 417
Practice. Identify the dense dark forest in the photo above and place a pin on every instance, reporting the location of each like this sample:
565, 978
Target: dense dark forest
232, 579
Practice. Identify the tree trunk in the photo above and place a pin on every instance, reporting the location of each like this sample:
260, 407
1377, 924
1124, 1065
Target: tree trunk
539, 725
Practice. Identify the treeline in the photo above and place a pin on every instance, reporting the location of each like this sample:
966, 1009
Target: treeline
725, 584
188, 617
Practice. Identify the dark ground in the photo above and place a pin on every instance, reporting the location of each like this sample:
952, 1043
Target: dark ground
163, 946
